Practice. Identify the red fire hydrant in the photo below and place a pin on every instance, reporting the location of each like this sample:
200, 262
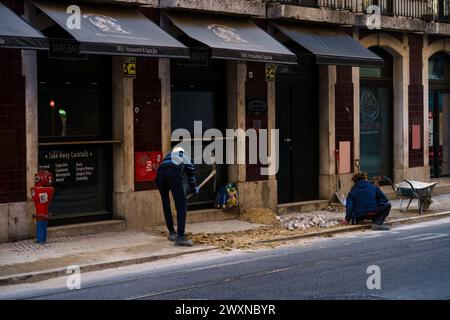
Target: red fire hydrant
42, 195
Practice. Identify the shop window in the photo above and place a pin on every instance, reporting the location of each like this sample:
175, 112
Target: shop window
439, 115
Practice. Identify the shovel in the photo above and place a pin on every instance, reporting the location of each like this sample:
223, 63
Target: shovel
207, 179
339, 195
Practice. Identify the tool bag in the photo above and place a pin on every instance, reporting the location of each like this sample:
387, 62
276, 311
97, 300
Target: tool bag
227, 197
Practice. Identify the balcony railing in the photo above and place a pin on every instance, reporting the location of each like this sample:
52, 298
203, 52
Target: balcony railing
418, 9
428, 10
349, 5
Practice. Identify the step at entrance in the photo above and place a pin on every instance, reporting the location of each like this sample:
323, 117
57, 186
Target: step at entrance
304, 206
211, 215
87, 228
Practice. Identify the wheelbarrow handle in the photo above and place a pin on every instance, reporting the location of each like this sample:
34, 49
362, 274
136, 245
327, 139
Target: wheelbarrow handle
412, 187
389, 181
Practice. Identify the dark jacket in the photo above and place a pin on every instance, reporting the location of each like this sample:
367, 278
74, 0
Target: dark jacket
364, 198
183, 163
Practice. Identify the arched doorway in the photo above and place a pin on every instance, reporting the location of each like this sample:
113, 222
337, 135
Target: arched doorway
439, 114
376, 117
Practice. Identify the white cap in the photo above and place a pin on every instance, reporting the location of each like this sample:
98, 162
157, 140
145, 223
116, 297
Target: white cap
177, 150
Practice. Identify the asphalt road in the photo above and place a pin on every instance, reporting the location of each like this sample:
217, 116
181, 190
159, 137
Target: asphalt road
414, 263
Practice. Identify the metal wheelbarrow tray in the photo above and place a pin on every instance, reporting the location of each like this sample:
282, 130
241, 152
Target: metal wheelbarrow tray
422, 191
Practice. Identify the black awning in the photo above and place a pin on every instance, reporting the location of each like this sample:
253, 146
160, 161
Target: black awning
233, 38
330, 46
17, 33
115, 30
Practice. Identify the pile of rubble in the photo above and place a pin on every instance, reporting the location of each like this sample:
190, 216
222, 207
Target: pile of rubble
304, 223
260, 216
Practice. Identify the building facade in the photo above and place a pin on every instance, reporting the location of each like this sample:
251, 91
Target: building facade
98, 108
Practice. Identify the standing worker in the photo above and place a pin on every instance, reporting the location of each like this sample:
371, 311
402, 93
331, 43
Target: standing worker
170, 178
367, 202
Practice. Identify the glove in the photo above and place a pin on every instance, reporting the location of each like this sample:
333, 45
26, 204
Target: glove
196, 190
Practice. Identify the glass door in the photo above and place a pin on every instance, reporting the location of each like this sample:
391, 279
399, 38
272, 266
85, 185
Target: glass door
375, 130
376, 117
439, 133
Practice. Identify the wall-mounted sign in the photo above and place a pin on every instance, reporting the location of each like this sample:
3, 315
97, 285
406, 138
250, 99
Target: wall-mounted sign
345, 148
146, 165
129, 67
270, 72
256, 106
416, 137
70, 166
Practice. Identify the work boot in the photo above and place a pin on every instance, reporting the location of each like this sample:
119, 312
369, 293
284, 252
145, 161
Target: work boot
172, 236
380, 227
182, 241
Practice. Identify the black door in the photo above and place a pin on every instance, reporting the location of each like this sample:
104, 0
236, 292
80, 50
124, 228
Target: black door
297, 120
199, 94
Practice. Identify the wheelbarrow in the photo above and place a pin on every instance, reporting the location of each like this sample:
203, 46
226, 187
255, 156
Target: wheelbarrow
409, 189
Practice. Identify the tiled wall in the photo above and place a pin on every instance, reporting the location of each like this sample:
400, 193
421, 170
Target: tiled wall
344, 105
147, 122
415, 93
12, 122
256, 87
147, 97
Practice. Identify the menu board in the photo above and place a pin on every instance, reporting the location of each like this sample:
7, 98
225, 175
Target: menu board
70, 166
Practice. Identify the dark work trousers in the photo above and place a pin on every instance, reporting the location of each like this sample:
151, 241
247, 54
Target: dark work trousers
379, 216
169, 179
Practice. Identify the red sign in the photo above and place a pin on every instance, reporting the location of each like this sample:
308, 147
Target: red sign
146, 165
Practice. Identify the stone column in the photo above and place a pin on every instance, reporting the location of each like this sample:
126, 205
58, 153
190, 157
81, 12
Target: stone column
123, 129
271, 119
401, 124
426, 110
356, 115
327, 82
356, 110
29, 71
236, 78
166, 105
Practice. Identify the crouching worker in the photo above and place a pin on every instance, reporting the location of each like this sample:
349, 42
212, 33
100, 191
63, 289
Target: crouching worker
366, 202
171, 172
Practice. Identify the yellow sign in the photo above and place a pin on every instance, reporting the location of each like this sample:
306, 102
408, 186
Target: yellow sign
270, 72
129, 67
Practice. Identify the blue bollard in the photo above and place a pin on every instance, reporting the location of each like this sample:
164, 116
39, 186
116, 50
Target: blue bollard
41, 231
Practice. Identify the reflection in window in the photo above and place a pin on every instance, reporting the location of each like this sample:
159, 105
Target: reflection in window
65, 112
438, 67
